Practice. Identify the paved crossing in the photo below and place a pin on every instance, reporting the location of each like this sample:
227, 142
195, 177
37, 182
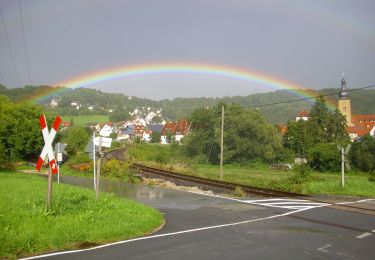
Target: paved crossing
287, 203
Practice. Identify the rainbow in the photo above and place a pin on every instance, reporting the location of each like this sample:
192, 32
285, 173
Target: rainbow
194, 69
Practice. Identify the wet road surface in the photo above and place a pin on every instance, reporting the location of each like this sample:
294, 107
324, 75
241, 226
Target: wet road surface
207, 227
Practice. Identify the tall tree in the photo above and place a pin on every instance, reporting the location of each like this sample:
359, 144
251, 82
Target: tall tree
247, 135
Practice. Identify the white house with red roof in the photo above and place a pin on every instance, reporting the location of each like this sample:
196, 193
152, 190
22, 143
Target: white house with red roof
177, 129
303, 115
106, 129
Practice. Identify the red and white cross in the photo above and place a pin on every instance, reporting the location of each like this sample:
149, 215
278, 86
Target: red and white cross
48, 138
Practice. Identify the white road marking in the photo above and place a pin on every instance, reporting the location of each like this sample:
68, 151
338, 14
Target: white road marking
323, 249
365, 200
366, 234
266, 200
344, 203
287, 203
168, 234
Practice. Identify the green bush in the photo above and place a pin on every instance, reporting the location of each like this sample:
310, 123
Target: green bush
324, 157
301, 174
362, 154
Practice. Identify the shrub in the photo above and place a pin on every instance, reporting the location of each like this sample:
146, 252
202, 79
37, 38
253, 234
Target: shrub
162, 158
324, 157
239, 192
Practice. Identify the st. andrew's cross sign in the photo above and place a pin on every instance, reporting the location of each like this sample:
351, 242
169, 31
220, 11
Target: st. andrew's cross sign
48, 138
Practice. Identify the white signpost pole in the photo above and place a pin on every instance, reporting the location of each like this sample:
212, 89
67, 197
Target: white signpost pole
94, 157
58, 163
342, 167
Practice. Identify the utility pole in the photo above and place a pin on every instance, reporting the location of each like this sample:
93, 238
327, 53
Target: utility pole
222, 142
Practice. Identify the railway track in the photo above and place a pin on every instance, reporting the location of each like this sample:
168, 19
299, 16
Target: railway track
209, 183
216, 185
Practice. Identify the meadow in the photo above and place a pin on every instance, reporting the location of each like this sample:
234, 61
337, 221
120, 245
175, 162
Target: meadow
75, 220
86, 119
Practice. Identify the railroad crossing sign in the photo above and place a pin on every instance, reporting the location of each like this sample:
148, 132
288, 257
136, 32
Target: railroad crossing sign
48, 138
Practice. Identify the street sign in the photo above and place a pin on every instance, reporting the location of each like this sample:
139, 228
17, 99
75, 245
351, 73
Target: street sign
106, 142
48, 138
59, 147
59, 157
347, 149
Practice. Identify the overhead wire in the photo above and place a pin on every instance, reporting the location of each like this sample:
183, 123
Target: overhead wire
303, 99
296, 100
24, 42
9, 46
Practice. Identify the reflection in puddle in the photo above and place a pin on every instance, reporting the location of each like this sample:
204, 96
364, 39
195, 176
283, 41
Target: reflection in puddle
153, 196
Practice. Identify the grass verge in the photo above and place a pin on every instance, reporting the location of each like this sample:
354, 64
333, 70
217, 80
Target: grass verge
75, 220
169, 157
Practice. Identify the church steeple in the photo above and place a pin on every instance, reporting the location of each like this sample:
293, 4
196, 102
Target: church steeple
344, 102
343, 94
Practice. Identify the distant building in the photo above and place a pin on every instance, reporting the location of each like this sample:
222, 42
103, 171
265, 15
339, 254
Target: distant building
106, 129
303, 115
54, 102
357, 125
177, 130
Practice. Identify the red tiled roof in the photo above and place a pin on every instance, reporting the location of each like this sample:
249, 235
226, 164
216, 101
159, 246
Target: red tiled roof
363, 119
362, 124
303, 113
65, 124
180, 127
282, 129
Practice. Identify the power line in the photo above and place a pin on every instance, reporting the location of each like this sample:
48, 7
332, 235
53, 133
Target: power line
24, 42
295, 100
315, 97
9, 47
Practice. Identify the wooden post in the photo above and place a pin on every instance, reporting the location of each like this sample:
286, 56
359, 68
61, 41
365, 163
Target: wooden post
222, 143
50, 182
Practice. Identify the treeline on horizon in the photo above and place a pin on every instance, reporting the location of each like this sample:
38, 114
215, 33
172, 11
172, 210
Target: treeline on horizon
362, 102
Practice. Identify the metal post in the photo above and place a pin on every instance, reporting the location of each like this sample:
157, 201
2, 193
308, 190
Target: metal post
94, 157
50, 182
98, 171
222, 143
58, 163
342, 167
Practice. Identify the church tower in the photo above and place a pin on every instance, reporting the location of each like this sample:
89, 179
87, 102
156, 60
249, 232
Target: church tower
344, 103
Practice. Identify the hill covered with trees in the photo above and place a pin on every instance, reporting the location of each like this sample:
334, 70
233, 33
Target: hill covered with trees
119, 105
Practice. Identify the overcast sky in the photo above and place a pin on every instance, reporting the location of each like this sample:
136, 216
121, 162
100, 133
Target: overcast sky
307, 42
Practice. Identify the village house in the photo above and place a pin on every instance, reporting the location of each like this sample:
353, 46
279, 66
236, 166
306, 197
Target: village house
303, 115
176, 130
106, 129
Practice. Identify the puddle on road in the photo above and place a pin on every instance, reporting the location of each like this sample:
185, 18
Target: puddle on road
154, 196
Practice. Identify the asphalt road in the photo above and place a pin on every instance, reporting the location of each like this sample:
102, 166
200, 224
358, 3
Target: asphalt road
206, 227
